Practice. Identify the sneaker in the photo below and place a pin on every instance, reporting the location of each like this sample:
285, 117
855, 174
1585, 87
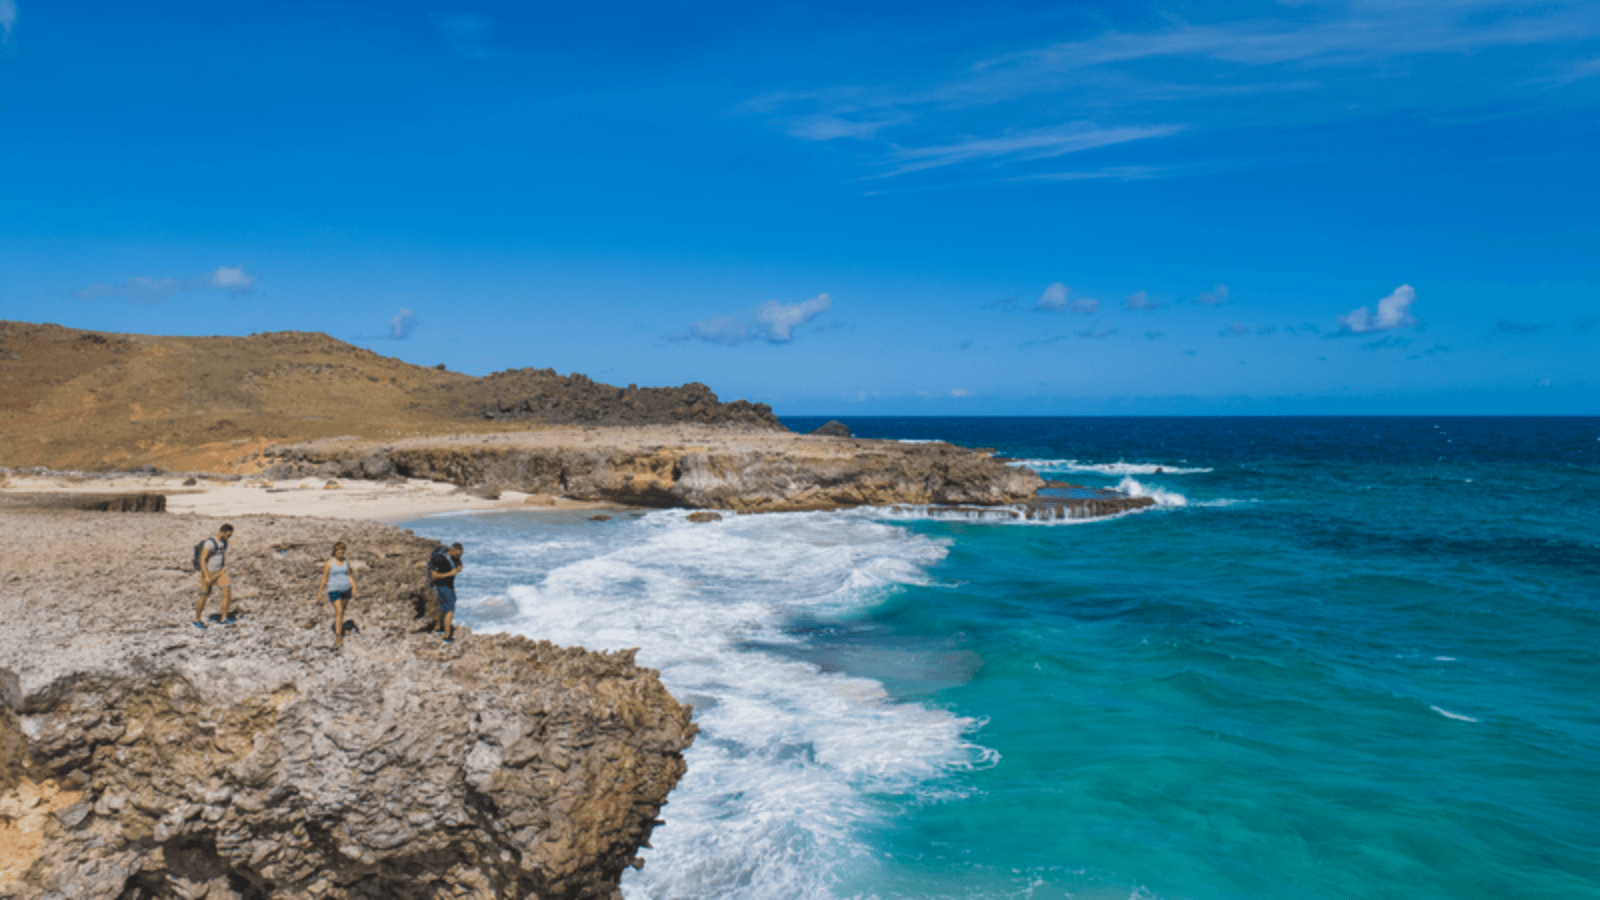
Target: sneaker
439, 632
199, 624
230, 620
449, 640
215, 617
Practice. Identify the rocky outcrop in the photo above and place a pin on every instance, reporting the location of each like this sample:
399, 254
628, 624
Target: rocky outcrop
745, 473
540, 395
140, 502
141, 757
832, 428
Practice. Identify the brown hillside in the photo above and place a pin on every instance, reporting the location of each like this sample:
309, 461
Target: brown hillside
73, 399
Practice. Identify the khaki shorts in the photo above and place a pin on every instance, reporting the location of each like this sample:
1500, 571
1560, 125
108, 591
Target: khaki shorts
220, 581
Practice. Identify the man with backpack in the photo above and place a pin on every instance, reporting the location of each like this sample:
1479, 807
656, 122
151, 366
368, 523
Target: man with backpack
211, 559
443, 567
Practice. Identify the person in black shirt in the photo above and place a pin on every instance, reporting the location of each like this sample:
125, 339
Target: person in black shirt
443, 567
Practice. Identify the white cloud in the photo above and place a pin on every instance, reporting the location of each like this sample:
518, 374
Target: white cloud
1093, 333
8, 19
463, 32
772, 322
779, 321
1054, 297
1142, 301
958, 392
139, 289
1393, 312
1217, 296
1058, 298
233, 280
401, 326
1234, 329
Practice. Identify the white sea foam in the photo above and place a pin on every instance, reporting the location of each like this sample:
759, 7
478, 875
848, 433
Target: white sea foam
1117, 468
1162, 497
782, 777
1450, 715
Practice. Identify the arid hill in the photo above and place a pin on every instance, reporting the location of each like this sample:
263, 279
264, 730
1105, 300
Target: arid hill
72, 399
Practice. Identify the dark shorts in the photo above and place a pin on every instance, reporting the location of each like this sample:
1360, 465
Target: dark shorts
336, 596
447, 598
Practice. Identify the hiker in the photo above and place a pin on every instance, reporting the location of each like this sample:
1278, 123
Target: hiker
340, 586
443, 567
211, 558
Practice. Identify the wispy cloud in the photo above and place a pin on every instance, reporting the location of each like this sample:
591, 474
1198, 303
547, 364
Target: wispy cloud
1320, 62
1584, 323
1393, 312
772, 322
1094, 333
1058, 298
139, 289
1154, 335
8, 20
1234, 329
464, 33
1026, 145
1142, 301
1217, 296
403, 324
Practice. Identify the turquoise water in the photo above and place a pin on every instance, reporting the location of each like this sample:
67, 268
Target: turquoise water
1343, 658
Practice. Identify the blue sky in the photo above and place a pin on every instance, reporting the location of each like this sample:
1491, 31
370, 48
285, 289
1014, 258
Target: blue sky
837, 208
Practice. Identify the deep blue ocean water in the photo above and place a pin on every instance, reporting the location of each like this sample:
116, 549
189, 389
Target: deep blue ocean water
1343, 658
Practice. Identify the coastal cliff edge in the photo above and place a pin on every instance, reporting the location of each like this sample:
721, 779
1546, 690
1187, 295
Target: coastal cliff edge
141, 757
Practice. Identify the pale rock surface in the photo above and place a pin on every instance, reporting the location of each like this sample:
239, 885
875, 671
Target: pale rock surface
141, 757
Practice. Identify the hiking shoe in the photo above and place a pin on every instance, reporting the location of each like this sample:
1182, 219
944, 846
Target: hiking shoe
199, 624
449, 640
215, 617
230, 620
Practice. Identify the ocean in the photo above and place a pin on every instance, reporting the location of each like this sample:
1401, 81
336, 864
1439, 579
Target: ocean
1340, 658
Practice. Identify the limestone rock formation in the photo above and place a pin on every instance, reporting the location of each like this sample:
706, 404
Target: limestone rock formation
756, 472
141, 757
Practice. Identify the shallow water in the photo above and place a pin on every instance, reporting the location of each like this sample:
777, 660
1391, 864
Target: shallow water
1343, 658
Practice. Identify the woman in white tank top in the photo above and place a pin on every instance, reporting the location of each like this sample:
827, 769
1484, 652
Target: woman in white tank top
339, 586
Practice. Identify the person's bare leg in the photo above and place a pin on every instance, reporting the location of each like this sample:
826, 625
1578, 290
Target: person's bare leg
227, 594
338, 622
200, 605
449, 626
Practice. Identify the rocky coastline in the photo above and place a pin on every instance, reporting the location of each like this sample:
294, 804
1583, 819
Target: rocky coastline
695, 468
141, 757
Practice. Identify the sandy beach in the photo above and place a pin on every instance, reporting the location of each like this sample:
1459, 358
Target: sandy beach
391, 501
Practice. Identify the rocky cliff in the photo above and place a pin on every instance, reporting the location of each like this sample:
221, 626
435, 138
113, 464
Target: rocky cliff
704, 468
141, 757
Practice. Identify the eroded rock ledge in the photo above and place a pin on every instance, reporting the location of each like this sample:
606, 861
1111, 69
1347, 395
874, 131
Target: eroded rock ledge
140, 757
680, 467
